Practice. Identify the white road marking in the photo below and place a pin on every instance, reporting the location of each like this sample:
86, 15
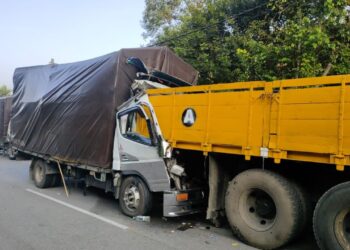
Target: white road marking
83, 211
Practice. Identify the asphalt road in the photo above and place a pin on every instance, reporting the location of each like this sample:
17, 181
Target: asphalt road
32, 218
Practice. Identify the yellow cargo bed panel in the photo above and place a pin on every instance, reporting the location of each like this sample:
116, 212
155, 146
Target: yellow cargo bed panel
305, 119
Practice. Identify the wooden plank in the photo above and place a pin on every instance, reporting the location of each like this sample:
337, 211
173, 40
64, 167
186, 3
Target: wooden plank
310, 111
312, 95
312, 81
312, 144
188, 135
162, 100
309, 127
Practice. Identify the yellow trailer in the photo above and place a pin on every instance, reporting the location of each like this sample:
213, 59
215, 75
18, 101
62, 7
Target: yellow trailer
281, 144
301, 119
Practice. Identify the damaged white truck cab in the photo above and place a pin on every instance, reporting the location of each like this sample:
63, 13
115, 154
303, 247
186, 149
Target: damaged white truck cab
143, 162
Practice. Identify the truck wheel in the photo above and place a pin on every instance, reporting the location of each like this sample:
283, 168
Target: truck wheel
40, 177
56, 180
263, 208
135, 198
306, 209
331, 220
31, 170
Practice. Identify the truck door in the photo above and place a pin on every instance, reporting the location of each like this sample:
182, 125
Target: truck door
138, 147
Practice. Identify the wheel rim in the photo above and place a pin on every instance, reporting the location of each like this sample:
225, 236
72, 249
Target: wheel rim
39, 173
342, 228
258, 209
132, 197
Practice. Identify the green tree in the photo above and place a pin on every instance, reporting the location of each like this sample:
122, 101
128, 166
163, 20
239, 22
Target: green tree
4, 90
242, 40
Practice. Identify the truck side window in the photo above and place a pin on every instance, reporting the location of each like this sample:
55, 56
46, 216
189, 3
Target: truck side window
133, 125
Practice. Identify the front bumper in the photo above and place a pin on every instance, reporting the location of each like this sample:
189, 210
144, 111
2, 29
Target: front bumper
194, 204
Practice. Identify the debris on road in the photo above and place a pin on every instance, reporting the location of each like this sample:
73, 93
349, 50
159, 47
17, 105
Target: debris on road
235, 244
142, 218
184, 226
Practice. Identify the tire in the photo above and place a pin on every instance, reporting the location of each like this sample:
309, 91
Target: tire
40, 177
306, 209
263, 208
56, 180
331, 221
31, 170
131, 188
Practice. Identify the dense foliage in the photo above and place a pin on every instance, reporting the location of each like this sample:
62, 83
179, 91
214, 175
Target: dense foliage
4, 90
231, 40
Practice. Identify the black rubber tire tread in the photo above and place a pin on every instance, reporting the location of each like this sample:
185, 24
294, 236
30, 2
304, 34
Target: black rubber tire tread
56, 180
265, 179
31, 170
327, 208
306, 214
145, 197
48, 178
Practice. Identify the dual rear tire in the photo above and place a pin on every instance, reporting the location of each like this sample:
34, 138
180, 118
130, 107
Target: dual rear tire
40, 174
264, 209
331, 221
267, 211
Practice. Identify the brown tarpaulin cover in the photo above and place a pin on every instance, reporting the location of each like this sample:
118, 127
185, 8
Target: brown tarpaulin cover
67, 111
5, 114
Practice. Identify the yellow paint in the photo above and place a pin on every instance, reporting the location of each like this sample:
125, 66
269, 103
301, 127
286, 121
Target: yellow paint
141, 126
304, 119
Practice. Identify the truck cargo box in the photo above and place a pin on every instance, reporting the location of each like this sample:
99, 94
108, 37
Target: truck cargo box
5, 114
67, 111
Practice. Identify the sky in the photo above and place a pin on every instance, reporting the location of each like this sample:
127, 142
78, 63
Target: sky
34, 31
